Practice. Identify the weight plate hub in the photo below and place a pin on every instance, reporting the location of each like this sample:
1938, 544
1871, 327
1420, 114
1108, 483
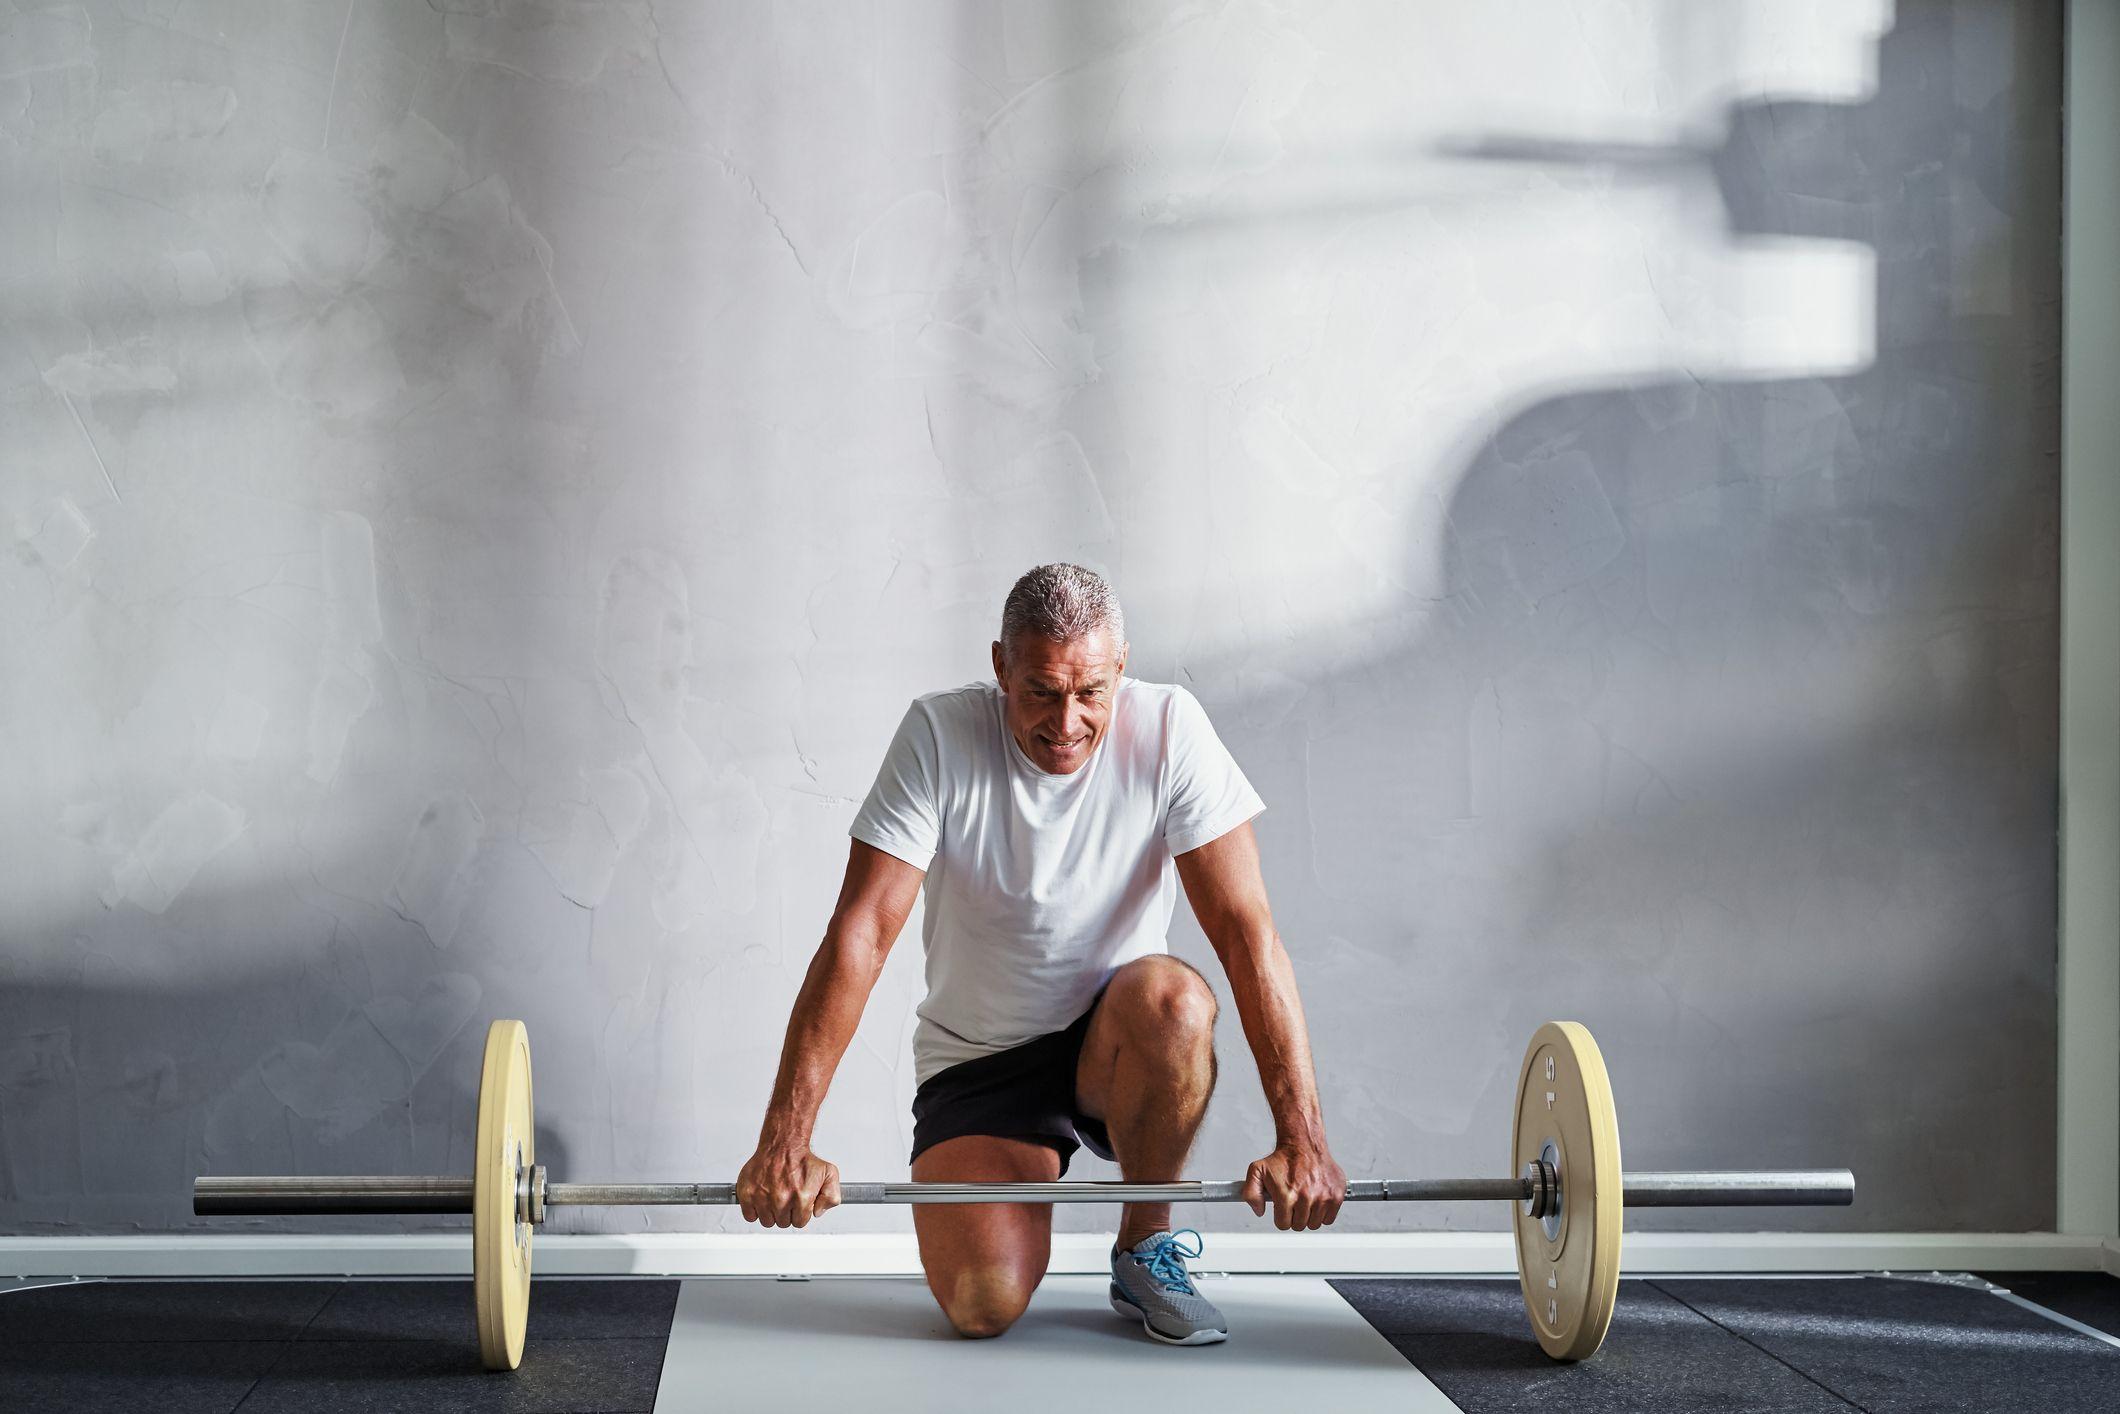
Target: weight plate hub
1567, 1256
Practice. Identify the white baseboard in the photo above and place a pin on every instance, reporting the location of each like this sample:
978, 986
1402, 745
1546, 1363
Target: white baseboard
892, 1254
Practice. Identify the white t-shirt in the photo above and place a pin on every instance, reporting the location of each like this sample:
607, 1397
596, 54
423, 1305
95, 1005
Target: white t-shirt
1039, 886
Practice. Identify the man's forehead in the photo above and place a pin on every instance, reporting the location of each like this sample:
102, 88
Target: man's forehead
1077, 662
1097, 678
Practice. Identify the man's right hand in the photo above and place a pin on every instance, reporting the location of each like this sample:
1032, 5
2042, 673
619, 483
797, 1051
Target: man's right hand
786, 1186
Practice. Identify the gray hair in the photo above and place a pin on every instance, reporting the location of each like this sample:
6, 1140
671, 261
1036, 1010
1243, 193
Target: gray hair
1061, 602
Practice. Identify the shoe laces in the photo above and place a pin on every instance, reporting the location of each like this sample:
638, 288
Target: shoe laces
1166, 1260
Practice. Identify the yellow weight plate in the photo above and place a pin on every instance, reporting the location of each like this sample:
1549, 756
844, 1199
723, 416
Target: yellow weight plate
1569, 1261
500, 1239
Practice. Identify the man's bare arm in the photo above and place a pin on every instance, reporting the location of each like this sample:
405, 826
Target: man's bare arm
784, 1184
1227, 890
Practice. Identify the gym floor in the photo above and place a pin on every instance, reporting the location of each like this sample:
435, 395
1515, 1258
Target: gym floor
1991, 1341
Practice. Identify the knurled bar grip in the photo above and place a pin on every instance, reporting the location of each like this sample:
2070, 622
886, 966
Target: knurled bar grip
1085, 1191
418, 1194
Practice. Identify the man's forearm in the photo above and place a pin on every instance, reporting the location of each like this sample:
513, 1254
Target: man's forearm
1263, 983
826, 1012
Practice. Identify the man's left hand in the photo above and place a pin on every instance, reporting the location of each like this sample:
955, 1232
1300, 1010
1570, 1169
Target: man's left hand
1302, 1182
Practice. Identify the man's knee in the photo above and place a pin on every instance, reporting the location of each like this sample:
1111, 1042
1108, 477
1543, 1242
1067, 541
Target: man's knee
984, 1304
1170, 994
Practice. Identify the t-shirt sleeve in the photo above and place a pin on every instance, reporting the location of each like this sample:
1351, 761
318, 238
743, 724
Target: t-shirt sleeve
903, 814
1209, 795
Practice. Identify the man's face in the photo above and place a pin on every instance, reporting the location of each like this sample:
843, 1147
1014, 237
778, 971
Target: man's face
1057, 697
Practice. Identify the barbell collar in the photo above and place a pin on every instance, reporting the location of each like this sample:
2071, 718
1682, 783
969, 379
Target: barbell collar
429, 1194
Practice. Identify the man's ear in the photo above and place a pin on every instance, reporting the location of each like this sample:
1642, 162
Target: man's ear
998, 677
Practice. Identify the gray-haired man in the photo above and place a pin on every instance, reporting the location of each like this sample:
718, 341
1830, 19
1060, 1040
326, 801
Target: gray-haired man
1052, 814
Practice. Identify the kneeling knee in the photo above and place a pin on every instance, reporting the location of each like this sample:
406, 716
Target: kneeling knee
982, 1322
982, 1310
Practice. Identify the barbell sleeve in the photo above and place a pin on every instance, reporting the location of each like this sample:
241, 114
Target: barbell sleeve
417, 1194
1720, 1188
403, 1193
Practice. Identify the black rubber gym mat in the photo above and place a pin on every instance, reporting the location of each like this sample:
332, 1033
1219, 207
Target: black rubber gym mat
357, 1376
1885, 1345
1891, 1345
444, 1310
161, 1311
152, 1377
1471, 1339
325, 1346
2090, 1297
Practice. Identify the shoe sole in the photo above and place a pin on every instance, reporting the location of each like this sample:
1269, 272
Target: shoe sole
1129, 1309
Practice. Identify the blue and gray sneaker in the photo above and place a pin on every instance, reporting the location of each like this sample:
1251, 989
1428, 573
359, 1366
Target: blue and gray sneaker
1151, 1285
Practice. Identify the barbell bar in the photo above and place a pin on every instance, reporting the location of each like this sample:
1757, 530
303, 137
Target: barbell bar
407, 1193
1568, 1192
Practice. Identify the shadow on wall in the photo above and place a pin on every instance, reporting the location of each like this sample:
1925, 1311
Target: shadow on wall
1734, 733
115, 1088
125, 1090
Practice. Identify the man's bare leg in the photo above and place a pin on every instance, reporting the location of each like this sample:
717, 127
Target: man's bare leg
983, 1260
1147, 1069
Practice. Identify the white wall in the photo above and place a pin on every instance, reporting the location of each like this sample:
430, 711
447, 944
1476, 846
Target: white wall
482, 480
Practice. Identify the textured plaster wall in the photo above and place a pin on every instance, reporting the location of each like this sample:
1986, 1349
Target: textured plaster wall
481, 481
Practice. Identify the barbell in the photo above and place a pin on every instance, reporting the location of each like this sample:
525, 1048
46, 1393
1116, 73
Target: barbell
1568, 1192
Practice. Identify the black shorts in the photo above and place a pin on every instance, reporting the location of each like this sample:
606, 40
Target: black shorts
1024, 1092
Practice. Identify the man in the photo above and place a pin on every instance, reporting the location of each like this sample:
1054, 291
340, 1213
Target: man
1047, 813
